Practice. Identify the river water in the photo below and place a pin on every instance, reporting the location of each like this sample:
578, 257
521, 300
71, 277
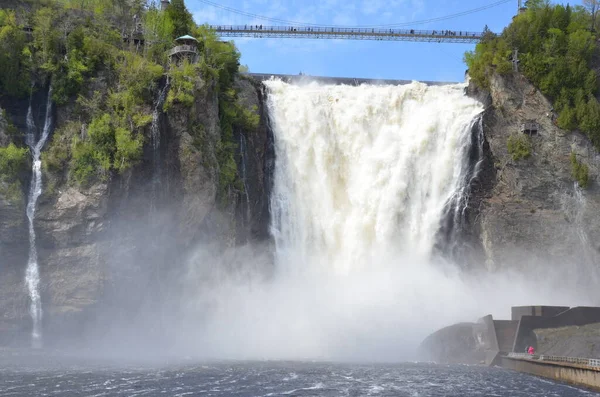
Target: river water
50, 376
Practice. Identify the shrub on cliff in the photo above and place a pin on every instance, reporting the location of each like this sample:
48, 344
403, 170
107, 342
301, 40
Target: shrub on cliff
519, 146
555, 52
14, 56
13, 161
78, 44
579, 171
183, 80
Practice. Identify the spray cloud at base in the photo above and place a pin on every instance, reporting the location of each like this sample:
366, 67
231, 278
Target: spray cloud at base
363, 177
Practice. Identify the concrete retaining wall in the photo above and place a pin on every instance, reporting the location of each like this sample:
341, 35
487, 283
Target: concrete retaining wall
576, 316
541, 311
562, 372
505, 332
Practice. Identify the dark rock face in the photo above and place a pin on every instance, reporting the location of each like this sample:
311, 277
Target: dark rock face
256, 164
115, 248
529, 212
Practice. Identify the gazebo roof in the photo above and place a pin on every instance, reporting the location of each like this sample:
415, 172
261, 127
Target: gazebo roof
186, 37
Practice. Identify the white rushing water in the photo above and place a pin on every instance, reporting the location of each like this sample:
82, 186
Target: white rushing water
364, 178
32, 274
155, 134
362, 169
244, 174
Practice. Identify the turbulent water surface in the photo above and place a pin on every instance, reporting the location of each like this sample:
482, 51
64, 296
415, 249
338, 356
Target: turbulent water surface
277, 379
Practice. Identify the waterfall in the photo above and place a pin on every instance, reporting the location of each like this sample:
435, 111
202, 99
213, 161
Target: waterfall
155, 133
364, 179
362, 170
32, 275
455, 227
244, 164
574, 206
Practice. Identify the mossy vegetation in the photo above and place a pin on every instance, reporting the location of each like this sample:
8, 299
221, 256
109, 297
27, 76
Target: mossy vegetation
579, 171
519, 146
556, 45
77, 46
183, 80
13, 162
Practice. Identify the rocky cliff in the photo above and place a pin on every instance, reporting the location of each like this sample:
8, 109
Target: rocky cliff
121, 241
531, 212
528, 215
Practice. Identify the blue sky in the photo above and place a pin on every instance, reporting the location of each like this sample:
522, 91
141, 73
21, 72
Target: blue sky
351, 58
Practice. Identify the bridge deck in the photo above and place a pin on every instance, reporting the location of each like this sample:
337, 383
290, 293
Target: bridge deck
259, 31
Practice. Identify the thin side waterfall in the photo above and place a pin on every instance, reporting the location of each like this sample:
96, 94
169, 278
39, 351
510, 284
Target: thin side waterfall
453, 242
32, 275
244, 161
461, 199
574, 206
155, 133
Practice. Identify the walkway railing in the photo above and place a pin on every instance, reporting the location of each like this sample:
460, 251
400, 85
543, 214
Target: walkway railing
183, 49
259, 31
590, 362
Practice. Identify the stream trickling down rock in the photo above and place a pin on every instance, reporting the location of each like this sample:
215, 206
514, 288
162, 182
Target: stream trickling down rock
32, 273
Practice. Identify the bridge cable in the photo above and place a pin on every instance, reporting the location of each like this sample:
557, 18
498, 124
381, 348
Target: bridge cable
413, 23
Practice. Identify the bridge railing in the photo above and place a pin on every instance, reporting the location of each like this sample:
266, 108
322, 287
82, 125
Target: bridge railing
590, 362
346, 31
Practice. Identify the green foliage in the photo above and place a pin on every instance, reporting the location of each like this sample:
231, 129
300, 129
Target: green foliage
159, 33
108, 146
579, 171
56, 158
519, 146
555, 51
180, 18
85, 164
78, 44
12, 191
183, 79
14, 56
129, 149
12, 161
221, 63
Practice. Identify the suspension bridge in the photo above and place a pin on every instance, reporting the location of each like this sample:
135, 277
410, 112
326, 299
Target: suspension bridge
279, 28
319, 32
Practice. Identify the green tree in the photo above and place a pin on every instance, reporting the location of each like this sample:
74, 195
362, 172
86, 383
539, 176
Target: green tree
592, 6
555, 52
180, 18
579, 171
12, 161
519, 146
14, 56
